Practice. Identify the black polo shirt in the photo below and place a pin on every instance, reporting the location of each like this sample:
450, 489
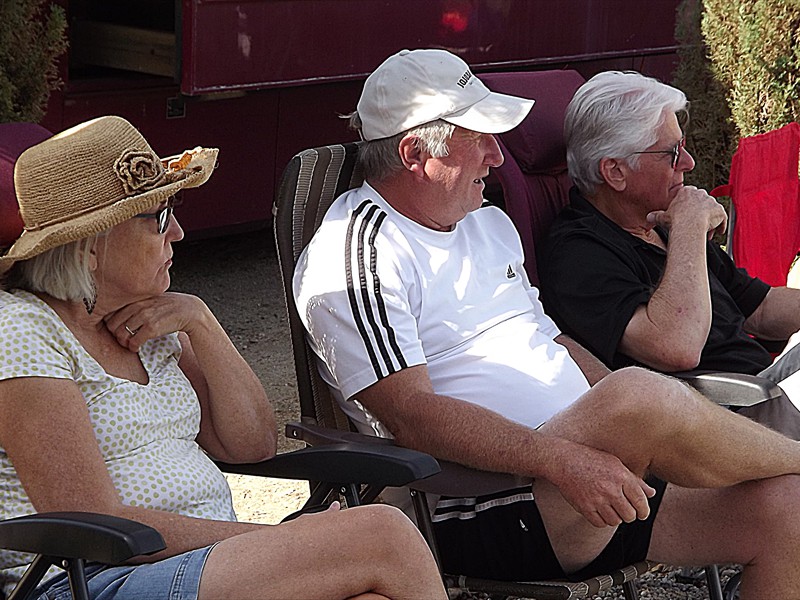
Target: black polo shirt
594, 275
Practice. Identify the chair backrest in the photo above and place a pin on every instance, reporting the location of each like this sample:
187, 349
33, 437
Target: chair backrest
14, 139
311, 182
534, 175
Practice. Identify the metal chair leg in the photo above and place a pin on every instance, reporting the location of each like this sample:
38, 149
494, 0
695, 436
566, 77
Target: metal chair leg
629, 590
424, 524
732, 587
714, 584
77, 578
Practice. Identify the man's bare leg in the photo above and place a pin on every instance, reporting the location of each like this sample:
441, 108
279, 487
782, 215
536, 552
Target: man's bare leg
659, 425
756, 524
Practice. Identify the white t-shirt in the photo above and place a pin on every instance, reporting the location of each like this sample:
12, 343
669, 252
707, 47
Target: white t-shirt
378, 292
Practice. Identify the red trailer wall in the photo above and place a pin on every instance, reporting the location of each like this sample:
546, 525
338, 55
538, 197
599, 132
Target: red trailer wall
263, 79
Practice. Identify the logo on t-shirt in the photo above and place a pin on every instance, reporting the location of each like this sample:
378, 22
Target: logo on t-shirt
510, 273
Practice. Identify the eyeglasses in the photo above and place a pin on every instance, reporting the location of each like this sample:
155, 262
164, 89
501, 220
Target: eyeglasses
675, 152
162, 216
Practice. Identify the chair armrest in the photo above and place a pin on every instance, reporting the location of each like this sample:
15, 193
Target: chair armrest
464, 482
94, 537
453, 479
731, 389
345, 462
314, 435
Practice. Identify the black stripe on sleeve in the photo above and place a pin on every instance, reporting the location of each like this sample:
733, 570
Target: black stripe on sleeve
351, 292
379, 298
371, 218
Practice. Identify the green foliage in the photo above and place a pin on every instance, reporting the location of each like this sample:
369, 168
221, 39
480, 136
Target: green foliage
32, 36
711, 136
740, 68
754, 46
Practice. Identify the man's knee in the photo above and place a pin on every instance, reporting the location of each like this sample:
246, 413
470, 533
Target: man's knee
776, 507
386, 534
383, 520
634, 390
640, 377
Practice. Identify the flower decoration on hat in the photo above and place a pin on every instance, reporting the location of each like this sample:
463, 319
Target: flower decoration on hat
176, 167
139, 171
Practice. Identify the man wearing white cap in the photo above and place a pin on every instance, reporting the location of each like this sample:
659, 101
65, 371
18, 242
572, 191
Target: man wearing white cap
417, 304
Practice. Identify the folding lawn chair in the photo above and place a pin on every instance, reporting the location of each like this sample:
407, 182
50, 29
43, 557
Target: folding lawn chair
69, 540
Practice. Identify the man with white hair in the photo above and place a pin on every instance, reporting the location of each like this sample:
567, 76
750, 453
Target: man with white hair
415, 300
628, 269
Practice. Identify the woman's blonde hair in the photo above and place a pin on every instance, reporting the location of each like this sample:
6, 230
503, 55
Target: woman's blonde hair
62, 272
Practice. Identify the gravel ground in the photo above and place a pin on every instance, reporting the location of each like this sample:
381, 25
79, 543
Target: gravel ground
238, 278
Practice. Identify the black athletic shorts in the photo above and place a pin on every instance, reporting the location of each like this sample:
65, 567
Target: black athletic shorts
503, 538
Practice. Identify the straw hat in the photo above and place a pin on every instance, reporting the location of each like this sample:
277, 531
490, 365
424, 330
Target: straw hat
92, 177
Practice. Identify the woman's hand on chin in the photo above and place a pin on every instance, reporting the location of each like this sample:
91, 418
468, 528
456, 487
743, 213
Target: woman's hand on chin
139, 321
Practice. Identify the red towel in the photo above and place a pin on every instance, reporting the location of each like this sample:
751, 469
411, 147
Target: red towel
765, 191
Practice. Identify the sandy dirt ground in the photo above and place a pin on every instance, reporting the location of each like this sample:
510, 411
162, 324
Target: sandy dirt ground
238, 278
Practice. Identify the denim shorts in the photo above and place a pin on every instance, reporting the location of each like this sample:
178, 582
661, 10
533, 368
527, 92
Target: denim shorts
174, 578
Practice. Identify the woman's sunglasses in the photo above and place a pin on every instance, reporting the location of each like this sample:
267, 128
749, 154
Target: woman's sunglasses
162, 216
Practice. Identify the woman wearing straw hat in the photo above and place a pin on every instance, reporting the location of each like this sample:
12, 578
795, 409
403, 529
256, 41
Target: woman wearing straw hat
112, 391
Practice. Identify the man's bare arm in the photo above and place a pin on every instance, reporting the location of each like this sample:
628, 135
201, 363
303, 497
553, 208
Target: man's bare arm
778, 315
458, 431
669, 332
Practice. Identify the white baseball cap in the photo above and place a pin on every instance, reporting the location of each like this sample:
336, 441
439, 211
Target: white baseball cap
414, 87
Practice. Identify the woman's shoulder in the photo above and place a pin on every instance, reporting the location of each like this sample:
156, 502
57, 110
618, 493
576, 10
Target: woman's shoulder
29, 322
22, 302
35, 341
20, 305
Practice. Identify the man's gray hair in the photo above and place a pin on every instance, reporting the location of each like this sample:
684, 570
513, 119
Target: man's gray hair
62, 272
615, 114
380, 159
